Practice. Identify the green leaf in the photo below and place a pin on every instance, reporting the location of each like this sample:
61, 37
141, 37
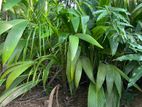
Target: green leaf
46, 72
104, 2
17, 72
2, 81
88, 68
6, 25
137, 11
10, 95
75, 23
101, 74
130, 57
89, 39
109, 79
113, 41
84, 20
137, 74
95, 98
98, 31
78, 73
10, 3
12, 40
74, 41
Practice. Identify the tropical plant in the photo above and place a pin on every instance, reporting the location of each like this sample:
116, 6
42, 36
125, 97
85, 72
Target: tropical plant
89, 36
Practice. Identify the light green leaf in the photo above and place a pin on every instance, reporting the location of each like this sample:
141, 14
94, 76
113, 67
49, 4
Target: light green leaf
130, 57
12, 40
101, 74
84, 20
74, 41
137, 74
10, 95
88, 68
95, 98
89, 39
6, 25
75, 23
78, 73
17, 72
10, 3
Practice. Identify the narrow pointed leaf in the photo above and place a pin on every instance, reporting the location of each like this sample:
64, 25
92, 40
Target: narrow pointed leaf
75, 23
88, 68
101, 74
130, 57
12, 40
74, 41
137, 74
84, 20
89, 39
78, 73
17, 72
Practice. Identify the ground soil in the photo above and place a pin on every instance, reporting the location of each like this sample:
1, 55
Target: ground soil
36, 98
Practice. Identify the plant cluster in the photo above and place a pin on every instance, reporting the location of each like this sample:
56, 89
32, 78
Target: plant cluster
101, 38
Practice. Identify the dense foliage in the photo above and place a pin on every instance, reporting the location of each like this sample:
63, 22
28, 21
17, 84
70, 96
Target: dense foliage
101, 38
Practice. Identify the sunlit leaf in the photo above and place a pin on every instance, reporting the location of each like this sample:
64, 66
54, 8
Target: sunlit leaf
17, 72
74, 41
12, 40
10, 3
89, 39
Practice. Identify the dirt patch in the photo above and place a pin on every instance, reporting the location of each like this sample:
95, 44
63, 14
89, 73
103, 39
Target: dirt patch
37, 98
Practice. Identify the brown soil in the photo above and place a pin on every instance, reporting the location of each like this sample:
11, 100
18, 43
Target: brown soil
36, 98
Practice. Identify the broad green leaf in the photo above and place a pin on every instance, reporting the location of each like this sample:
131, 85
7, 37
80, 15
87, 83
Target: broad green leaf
10, 3
74, 41
12, 40
10, 95
88, 68
78, 73
75, 23
84, 20
130, 57
89, 39
6, 25
113, 41
95, 98
101, 74
137, 74
17, 72
73, 64
118, 81
116, 78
